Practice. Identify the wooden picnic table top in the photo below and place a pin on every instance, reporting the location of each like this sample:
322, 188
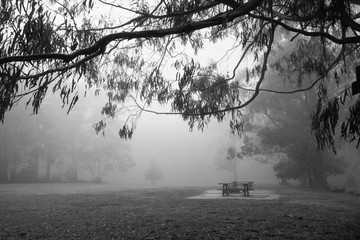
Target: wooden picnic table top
240, 182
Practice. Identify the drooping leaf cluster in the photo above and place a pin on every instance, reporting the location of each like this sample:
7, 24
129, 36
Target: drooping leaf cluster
350, 129
325, 122
128, 47
31, 30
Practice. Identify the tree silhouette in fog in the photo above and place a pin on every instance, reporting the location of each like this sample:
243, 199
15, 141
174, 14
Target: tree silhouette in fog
54, 147
283, 125
154, 173
228, 160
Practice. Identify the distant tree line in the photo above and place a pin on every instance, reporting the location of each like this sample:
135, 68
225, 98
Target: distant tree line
52, 147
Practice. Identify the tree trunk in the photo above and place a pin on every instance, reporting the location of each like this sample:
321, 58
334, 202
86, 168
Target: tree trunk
320, 178
34, 168
98, 172
316, 172
73, 170
304, 181
7, 172
13, 176
48, 167
12, 172
75, 165
310, 179
235, 170
2, 171
235, 175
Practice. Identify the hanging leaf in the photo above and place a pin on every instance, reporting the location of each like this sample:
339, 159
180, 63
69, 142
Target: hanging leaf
73, 102
247, 76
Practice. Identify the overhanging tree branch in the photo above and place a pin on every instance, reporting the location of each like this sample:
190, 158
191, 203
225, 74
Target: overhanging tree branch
46, 48
230, 3
158, 33
233, 108
346, 40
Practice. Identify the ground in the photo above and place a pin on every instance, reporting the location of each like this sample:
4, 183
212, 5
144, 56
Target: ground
86, 211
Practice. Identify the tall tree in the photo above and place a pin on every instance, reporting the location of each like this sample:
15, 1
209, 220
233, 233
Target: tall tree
125, 46
283, 126
154, 173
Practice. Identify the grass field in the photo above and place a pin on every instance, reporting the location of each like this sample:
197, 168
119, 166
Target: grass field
86, 211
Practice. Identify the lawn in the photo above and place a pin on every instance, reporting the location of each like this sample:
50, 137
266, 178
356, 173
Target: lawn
85, 211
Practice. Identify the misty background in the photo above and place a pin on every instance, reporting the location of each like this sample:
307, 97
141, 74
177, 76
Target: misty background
53, 146
184, 158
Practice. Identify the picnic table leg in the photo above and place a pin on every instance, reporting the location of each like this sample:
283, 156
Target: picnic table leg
246, 189
225, 190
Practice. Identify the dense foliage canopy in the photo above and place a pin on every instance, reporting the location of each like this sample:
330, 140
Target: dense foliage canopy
291, 147
128, 47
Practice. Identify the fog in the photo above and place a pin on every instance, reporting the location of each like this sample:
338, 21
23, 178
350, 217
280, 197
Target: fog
183, 157
55, 147
186, 158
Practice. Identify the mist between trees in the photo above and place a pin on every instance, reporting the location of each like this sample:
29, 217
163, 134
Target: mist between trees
287, 89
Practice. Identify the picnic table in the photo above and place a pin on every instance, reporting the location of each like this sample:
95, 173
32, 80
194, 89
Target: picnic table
237, 187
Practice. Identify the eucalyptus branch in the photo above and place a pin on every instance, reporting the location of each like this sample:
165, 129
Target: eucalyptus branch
313, 84
158, 33
329, 68
347, 40
228, 109
230, 3
151, 15
63, 69
244, 53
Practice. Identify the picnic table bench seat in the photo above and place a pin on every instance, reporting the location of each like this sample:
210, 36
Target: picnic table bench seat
237, 187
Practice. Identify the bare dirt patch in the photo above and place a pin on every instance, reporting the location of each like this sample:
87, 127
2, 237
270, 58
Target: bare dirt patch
171, 213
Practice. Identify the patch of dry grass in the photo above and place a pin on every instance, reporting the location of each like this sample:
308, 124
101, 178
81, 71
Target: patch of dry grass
166, 213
